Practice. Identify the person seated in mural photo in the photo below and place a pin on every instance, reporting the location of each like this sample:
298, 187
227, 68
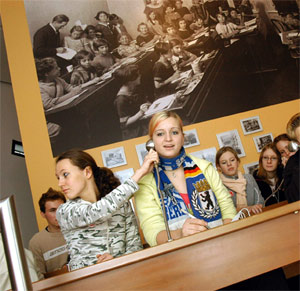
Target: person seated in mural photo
181, 58
54, 90
154, 25
126, 47
84, 74
104, 59
291, 171
225, 28
191, 187
163, 72
145, 37
97, 221
76, 40
130, 102
49, 246
269, 175
106, 29
281, 142
243, 189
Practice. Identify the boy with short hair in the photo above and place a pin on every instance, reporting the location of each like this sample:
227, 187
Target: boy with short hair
48, 246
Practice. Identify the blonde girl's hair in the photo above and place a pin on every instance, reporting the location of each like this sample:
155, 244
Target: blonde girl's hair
292, 125
157, 118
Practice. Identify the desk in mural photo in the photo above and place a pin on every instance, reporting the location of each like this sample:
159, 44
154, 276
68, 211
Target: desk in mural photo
91, 119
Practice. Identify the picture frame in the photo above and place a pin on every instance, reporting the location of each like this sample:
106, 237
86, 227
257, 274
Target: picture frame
17, 148
262, 140
114, 157
251, 125
190, 138
124, 174
232, 139
249, 168
141, 152
208, 154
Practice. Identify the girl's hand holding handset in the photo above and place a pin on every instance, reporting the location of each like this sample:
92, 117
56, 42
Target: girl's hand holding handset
147, 165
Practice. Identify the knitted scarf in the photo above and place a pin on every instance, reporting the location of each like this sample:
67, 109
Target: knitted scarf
239, 186
203, 201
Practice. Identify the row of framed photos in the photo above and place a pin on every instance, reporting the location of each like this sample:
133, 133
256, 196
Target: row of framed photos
116, 157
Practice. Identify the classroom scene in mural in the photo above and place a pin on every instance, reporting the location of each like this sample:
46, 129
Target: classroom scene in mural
103, 73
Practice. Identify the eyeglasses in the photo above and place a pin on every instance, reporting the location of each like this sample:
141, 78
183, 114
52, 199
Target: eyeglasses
273, 159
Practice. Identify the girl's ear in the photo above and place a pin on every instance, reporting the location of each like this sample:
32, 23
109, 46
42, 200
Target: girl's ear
88, 172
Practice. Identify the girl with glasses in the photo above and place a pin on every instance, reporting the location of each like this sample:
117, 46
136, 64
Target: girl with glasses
268, 176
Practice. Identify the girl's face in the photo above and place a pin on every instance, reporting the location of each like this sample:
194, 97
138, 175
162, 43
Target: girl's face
91, 33
85, 62
54, 73
124, 40
182, 24
103, 17
103, 50
168, 138
143, 29
199, 22
76, 34
71, 179
177, 49
152, 15
233, 14
178, 4
221, 18
171, 30
269, 161
282, 147
228, 164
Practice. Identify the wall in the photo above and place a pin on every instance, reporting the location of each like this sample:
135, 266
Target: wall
40, 163
13, 178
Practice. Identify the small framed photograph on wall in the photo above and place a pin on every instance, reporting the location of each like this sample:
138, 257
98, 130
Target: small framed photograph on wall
251, 125
250, 168
231, 139
190, 138
262, 140
124, 175
141, 152
114, 157
207, 154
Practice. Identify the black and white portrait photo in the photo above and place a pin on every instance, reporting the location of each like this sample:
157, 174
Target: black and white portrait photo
114, 157
262, 140
86, 52
141, 152
231, 139
207, 154
190, 138
251, 125
250, 168
124, 174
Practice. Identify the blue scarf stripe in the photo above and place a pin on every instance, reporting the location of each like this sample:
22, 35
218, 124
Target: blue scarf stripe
202, 199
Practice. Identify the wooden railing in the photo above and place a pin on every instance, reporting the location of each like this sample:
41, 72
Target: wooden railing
209, 260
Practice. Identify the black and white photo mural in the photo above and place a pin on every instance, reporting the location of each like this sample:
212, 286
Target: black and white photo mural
105, 67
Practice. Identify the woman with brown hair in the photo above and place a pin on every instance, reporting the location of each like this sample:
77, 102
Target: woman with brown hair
268, 176
97, 221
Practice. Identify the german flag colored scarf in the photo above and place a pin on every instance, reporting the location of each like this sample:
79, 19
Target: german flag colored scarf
203, 201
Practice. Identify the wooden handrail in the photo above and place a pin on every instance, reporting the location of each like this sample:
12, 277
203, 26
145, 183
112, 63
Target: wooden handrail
162, 250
